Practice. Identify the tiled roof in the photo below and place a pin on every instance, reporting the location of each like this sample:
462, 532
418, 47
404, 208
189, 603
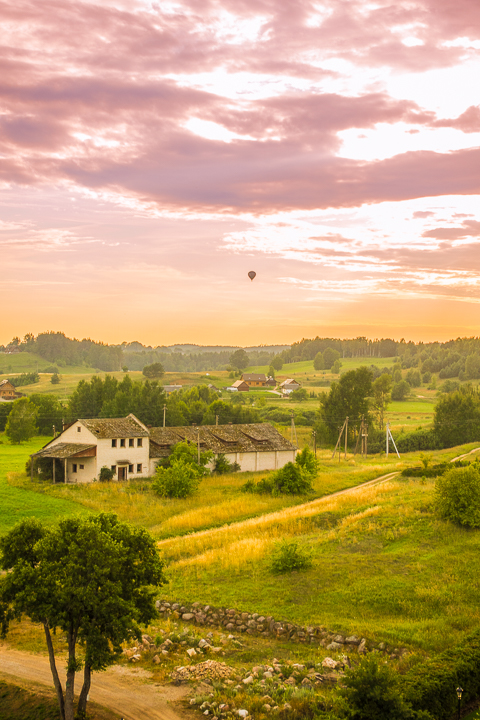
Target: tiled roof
260, 437
65, 450
254, 377
115, 427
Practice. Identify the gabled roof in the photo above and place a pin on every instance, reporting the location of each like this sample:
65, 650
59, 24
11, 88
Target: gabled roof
128, 427
254, 377
289, 381
239, 383
6, 382
253, 437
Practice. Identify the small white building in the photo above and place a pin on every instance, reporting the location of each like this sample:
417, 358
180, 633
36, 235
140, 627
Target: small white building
132, 450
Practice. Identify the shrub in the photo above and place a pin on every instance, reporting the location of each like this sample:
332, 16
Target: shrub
292, 479
307, 460
372, 693
457, 496
55, 379
106, 474
287, 556
179, 480
222, 466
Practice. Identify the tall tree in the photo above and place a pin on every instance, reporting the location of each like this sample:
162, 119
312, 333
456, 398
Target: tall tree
348, 397
94, 579
239, 359
381, 396
21, 423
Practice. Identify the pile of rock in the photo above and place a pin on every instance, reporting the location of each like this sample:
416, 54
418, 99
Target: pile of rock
256, 624
208, 669
172, 643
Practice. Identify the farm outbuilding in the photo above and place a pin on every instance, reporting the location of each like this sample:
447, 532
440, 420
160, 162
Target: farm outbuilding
132, 450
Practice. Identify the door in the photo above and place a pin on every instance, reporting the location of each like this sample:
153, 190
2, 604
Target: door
122, 473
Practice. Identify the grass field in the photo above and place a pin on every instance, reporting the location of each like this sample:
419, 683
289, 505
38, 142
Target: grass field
19, 502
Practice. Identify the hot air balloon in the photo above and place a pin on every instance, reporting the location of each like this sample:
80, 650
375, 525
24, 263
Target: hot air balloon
251, 274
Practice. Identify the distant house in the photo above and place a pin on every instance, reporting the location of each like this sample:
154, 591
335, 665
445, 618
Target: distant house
238, 386
288, 385
270, 381
254, 379
171, 388
132, 450
212, 387
7, 390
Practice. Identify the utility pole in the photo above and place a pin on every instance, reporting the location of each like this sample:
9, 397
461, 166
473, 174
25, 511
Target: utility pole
338, 441
346, 436
390, 437
164, 414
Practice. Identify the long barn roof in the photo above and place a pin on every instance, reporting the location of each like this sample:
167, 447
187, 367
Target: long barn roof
257, 437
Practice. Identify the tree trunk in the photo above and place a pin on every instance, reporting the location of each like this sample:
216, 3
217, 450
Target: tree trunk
71, 668
53, 668
82, 700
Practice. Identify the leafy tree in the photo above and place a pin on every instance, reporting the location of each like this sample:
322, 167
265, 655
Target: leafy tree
347, 397
55, 379
400, 390
457, 418
188, 453
457, 495
277, 363
154, 371
306, 459
318, 361
222, 466
49, 412
472, 366
93, 579
381, 396
413, 378
21, 423
271, 372
329, 357
239, 359
336, 366
292, 479
5, 408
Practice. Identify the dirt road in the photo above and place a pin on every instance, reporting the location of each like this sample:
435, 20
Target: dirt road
124, 690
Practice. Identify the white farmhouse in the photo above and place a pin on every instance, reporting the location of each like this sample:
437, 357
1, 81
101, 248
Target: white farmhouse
132, 450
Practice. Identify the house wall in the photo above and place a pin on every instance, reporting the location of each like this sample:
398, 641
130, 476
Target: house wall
85, 474
254, 461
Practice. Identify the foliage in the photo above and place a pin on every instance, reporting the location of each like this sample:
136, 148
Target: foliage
277, 363
106, 474
330, 355
287, 556
21, 421
179, 480
50, 412
319, 362
423, 439
25, 379
299, 395
372, 693
413, 378
222, 466
239, 359
5, 408
434, 470
381, 397
306, 459
55, 379
347, 397
431, 686
400, 390
457, 495
154, 371
457, 418
292, 479
89, 578
179, 475
336, 366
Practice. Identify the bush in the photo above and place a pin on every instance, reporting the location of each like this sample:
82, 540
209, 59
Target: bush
222, 466
106, 474
292, 479
287, 556
400, 390
457, 495
177, 481
372, 693
55, 379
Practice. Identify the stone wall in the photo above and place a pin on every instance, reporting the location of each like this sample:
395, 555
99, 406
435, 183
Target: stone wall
255, 624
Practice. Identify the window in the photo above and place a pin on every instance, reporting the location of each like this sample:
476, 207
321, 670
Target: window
113, 468
131, 442
79, 429
122, 442
139, 467
82, 467
114, 443
139, 442
130, 468
74, 467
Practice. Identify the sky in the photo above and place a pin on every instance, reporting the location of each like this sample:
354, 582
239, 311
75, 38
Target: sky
153, 153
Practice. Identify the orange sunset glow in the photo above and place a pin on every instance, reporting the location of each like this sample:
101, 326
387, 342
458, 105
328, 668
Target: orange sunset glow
152, 154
